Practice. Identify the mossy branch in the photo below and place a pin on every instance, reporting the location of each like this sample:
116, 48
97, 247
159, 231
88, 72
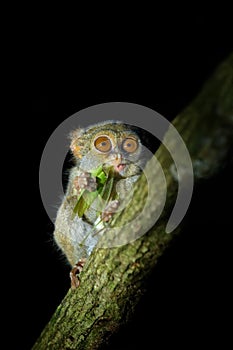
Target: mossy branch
113, 280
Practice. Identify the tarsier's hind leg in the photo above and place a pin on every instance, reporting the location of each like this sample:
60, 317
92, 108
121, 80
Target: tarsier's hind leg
75, 271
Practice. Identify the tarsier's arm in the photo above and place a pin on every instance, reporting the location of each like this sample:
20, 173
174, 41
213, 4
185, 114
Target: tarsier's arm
70, 229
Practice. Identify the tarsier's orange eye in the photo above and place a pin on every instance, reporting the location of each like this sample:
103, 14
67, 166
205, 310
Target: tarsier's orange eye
129, 145
103, 144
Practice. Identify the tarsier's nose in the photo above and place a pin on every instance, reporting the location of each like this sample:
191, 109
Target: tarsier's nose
116, 156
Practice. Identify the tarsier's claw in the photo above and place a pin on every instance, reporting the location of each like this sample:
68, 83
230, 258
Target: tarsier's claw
85, 182
75, 281
110, 209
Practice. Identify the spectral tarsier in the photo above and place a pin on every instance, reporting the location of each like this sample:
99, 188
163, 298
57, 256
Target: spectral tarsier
109, 159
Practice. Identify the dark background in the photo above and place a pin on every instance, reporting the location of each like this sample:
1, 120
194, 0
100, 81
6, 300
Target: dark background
161, 64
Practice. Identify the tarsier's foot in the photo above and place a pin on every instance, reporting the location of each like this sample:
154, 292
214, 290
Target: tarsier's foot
75, 281
85, 182
110, 209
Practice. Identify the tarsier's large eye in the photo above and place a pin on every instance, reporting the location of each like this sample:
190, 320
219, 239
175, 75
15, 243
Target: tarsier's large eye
103, 144
130, 145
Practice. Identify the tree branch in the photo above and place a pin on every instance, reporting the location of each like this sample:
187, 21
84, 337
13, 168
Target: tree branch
113, 280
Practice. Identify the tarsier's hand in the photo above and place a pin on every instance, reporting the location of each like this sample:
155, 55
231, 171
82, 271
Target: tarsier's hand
110, 209
85, 182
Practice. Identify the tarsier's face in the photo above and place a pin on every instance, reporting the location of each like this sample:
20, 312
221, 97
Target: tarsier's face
109, 144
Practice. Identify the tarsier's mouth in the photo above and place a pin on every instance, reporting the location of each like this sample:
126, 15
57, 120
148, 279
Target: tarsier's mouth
119, 167
118, 163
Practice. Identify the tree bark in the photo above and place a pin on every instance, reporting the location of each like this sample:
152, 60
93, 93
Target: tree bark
113, 280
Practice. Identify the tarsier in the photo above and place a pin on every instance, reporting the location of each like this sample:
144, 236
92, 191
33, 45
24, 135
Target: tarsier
108, 160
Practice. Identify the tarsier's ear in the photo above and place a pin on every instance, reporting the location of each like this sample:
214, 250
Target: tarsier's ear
76, 144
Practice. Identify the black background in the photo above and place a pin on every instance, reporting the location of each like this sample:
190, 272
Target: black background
160, 63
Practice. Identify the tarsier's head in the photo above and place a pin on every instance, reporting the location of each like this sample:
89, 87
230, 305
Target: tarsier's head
110, 143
